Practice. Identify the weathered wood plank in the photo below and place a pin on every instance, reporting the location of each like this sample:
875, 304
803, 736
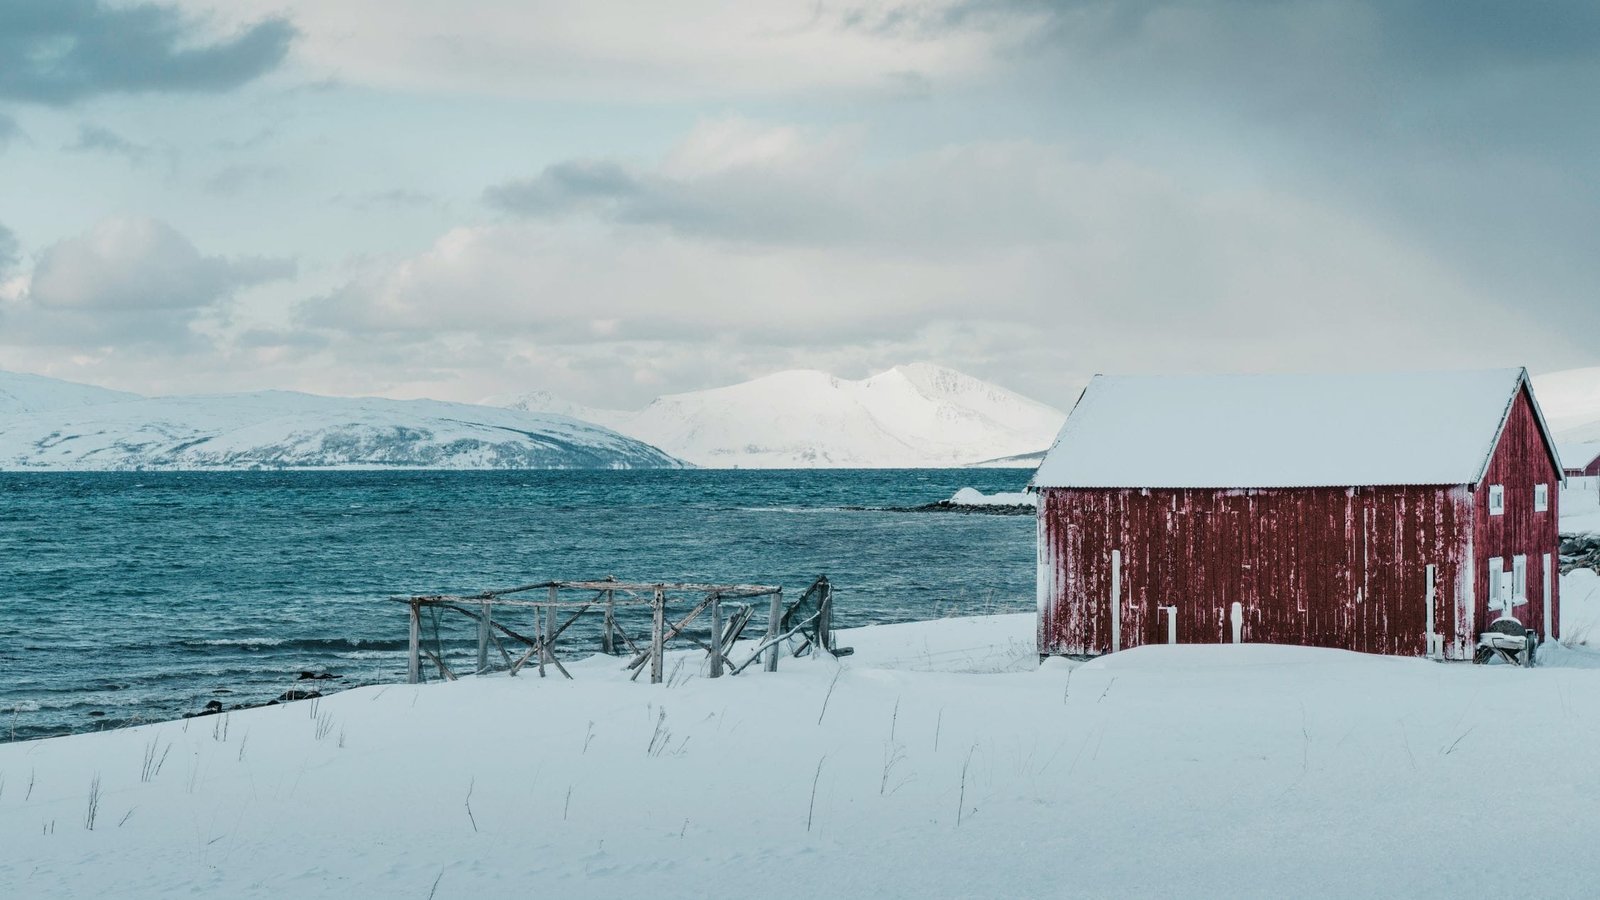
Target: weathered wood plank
414, 658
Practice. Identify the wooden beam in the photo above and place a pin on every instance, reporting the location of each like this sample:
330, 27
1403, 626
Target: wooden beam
674, 631
774, 623
443, 669
414, 659
657, 637
825, 616
483, 639
716, 634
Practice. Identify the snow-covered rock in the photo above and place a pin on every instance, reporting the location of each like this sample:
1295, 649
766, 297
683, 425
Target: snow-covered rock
280, 429
974, 497
911, 416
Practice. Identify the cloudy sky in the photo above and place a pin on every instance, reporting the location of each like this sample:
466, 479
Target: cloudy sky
615, 200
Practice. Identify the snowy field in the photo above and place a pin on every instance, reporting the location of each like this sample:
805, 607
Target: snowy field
938, 761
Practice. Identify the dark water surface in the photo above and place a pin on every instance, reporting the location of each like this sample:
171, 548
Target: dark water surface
140, 596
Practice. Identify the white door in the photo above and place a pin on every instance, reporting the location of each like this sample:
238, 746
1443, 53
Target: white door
1549, 626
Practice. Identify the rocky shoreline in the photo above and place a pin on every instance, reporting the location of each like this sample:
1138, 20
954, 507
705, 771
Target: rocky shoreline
949, 507
216, 707
1580, 551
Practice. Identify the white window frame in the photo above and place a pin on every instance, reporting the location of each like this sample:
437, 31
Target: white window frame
1497, 499
1519, 580
1497, 566
1541, 498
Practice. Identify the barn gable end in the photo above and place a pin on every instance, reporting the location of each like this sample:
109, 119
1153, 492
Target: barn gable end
1522, 458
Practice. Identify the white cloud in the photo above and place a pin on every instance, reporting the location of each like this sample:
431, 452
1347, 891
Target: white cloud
1013, 257
126, 280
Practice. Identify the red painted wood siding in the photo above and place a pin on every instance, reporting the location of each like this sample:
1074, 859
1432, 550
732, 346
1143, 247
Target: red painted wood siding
1577, 467
1520, 461
1329, 567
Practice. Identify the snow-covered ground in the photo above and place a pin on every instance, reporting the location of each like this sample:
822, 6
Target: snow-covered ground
1580, 608
291, 430
1580, 505
939, 761
912, 416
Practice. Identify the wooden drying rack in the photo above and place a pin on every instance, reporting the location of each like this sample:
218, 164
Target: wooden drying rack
805, 624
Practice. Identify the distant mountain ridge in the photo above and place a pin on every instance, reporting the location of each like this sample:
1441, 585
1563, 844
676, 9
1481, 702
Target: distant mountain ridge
21, 393
912, 416
53, 425
915, 415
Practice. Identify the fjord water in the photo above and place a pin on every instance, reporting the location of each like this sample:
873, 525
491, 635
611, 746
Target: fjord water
133, 597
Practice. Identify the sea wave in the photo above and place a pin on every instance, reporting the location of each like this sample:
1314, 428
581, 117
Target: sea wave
325, 644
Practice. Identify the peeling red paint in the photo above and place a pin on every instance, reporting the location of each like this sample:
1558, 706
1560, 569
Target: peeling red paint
1338, 567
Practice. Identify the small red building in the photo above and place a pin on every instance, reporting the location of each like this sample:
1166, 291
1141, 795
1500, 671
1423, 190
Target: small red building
1581, 459
1383, 513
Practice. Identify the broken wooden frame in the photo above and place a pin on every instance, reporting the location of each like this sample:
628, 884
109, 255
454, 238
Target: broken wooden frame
804, 625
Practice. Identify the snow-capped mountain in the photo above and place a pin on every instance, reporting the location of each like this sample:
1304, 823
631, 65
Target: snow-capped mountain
21, 393
911, 416
280, 429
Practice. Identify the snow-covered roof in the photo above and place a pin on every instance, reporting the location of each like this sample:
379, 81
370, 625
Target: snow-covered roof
1578, 454
1239, 431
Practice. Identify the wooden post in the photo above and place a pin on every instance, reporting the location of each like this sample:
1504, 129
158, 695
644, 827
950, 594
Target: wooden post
483, 639
547, 647
825, 619
544, 642
774, 625
607, 640
716, 635
657, 637
414, 662
538, 638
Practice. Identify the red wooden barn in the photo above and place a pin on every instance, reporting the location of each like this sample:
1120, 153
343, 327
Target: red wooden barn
1383, 513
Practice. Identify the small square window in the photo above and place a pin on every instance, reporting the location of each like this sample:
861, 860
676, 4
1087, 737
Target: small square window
1541, 497
1497, 499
